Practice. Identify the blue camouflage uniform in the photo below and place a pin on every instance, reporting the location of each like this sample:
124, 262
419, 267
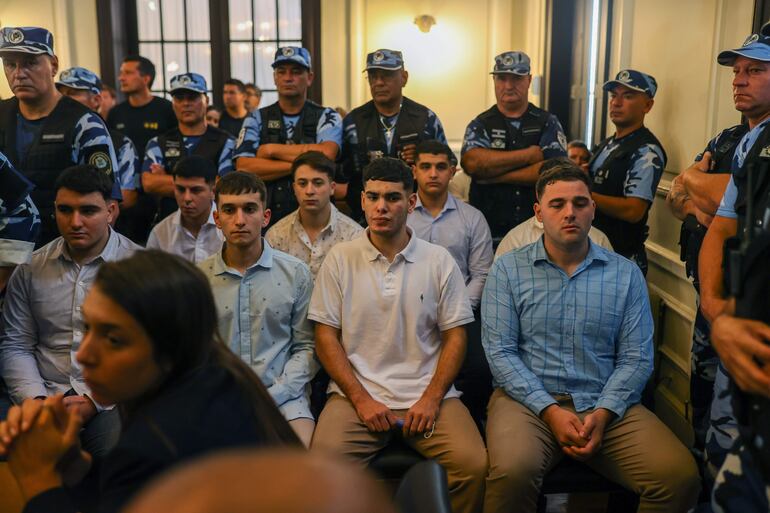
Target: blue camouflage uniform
19, 218
40, 149
740, 486
127, 172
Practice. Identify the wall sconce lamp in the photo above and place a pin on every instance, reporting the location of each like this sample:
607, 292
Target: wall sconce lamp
424, 22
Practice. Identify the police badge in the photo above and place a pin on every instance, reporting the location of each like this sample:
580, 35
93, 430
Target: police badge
497, 144
16, 36
273, 124
508, 60
624, 76
378, 57
287, 51
185, 80
101, 161
172, 152
65, 75
753, 38
375, 154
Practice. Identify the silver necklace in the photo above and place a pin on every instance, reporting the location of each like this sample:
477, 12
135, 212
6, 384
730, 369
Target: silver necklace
389, 129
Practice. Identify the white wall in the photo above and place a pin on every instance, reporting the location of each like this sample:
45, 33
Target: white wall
72, 22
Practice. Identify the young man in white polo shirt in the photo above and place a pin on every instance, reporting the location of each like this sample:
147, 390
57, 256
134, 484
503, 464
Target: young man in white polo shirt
390, 310
190, 232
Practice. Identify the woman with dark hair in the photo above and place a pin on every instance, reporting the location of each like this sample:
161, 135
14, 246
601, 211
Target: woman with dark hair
152, 348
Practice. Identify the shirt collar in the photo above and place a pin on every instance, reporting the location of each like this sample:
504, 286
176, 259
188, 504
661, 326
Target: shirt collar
449, 204
265, 260
108, 252
331, 225
372, 253
538, 254
177, 216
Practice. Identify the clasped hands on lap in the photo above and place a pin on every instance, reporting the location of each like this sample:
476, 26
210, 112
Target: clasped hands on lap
378, 417
578, 439
40, 439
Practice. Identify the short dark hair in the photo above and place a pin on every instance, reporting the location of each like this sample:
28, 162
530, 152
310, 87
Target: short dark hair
237, 83
388, 169
317, 161
85, 179
562, 172
212, 107
254, 88
109, 89
578, 144
146, 67
435, 147
240, 182
196, 166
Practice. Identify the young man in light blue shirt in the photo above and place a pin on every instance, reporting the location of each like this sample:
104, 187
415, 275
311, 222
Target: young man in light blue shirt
262, 298
567, 329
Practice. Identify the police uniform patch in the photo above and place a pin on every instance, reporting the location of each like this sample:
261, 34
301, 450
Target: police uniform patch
65, 75
498, 144
273, 124
562, 140
378, 57
508, 60
16, 36
241, 136
172, 153
184, 80
624, 76
101, 161
765, 153
287, 51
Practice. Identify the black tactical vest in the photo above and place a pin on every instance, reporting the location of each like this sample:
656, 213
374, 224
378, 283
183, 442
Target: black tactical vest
409, 129
280, 195
48, 155
692, 232
505, 205
627, 238
210, 146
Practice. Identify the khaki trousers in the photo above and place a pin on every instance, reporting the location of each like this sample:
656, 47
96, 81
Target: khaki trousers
638, 452
456, 444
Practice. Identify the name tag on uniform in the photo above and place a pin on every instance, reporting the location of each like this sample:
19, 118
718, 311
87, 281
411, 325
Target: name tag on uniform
765, 153
50, 138
274, 124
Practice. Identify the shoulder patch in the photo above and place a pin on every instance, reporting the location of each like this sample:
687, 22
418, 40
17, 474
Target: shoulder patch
101, 161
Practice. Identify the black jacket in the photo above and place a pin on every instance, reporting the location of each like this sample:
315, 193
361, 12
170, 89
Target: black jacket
203, 412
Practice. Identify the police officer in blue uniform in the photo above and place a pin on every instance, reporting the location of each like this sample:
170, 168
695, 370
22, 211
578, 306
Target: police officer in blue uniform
626, 167
737, 439
192, 136
505, 146
389, 125
751, 85
694, 198
84, 86
273, 136
41, 131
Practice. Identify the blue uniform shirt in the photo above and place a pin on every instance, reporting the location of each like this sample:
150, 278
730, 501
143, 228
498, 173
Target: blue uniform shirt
727, 205
127, 175
19, 218
433, 129
553, 142
329, 129
588, 335
89, 131
643, 176
153, 154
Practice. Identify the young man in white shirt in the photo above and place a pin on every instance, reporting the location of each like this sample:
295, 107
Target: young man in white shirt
190, 232
390, 311
309, 232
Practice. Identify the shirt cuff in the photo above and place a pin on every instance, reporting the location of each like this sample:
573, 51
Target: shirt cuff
538, 401
15, 252
616, 406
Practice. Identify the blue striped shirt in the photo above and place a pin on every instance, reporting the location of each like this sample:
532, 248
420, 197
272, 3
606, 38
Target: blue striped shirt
588, 335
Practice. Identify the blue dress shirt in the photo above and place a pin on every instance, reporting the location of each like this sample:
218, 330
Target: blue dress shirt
263, 318
463, 231
588, 335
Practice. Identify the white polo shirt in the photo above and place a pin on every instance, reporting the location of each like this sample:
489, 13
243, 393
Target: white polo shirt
391, 314
170, 236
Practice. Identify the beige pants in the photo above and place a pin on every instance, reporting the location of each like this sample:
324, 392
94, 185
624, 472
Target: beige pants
303, 428
456, 444
638, 452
